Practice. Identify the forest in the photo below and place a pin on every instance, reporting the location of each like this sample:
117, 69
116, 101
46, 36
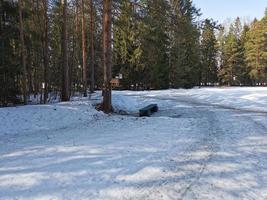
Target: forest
54, 47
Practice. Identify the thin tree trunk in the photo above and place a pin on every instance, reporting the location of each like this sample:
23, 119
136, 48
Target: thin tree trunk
46, 57
84, 52
65, 67
92, 60
77, 45
107, 108
23, 53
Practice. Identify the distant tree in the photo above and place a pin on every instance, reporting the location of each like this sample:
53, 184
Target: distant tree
46, 49
230, 71
23, 52
245, 69
10, 67
155, 42
184, 48
208, 47
127, 44
256, 51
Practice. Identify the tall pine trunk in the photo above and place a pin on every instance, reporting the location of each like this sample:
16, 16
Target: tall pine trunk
65, 90
92, 53
46, 57
23, 53
107, 108
84, 52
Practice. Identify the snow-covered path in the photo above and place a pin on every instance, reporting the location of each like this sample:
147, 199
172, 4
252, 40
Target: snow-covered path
185, 151
229, 161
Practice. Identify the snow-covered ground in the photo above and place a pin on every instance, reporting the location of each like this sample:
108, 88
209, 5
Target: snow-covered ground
195, 147
245, 98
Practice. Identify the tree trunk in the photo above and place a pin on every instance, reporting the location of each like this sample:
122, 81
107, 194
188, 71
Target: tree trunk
92, 57
23, 54
46, 57
107, 108
84, 52
65, 67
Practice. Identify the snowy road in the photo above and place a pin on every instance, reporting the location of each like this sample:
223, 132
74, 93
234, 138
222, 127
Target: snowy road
229, 159
185, 151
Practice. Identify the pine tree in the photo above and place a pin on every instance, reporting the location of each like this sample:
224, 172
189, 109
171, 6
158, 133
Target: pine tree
65, 90
46, 49
84, 54
245, 69
256, 51
230, 73
107, 55
208, 49
92, 51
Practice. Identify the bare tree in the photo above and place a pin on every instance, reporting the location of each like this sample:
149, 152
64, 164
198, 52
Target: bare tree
65, 67
107, 108
23, 53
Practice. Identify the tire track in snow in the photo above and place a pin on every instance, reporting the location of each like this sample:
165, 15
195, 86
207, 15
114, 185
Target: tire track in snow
206, 144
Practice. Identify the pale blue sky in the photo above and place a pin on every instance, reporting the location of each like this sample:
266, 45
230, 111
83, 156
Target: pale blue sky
220, 10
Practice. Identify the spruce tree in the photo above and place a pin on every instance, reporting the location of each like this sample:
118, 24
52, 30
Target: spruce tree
154, 45
9, 53
208, 47
184, 49
127, 45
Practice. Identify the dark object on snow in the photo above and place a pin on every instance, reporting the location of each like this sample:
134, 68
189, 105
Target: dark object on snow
99, 107
148, 110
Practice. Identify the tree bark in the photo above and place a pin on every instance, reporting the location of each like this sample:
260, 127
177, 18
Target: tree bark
23, 53
65, 67
46, 57
92, 53
107, 108
84, 52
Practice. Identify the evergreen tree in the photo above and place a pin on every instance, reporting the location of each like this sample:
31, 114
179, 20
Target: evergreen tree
256, 51
9, 52
184, 49
245, 69
154, 45
127, 45
230, 72
221, 37
208, 47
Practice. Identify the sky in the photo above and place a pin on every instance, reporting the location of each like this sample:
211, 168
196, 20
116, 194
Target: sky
221, 10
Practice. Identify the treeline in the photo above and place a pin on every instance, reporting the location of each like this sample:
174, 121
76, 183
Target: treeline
243, 53
156, 44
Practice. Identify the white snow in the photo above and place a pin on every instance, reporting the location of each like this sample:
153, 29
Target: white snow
247, 98
195, 147
124, 103
34, 118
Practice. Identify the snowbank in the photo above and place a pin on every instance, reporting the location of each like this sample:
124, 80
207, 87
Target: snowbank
127, 104
32, 118
247, 98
